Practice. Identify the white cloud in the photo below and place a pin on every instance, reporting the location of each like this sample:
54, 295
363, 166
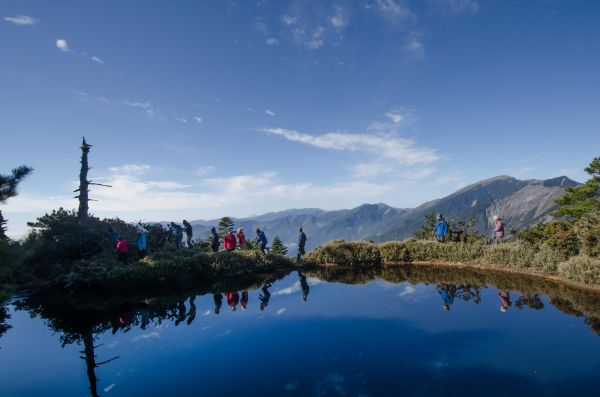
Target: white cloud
201, 171
62, 45
455, 7
146, 106
103, 99
21, 20
400, 150
272, 41
136, 169
415, 47
181, 119
97, 60
288, 20
296, 287
280, 311
198, 119
393, 11
340, 18
270, 112
398, 118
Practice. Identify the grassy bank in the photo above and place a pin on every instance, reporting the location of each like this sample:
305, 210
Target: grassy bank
518, 256
167, 267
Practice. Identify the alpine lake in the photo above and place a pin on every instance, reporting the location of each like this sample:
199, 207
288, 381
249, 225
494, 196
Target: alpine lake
405, 330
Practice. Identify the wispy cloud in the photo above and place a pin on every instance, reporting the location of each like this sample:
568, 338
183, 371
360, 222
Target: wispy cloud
21, 20
97, 60
62, 45
455, 7
272, 41
181, 119
146, 106
129, 169
393, 11
270, 112
340, 18
198, 119
415, 46
401, 150
207, 169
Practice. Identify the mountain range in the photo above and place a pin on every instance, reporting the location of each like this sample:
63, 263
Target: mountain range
521, 203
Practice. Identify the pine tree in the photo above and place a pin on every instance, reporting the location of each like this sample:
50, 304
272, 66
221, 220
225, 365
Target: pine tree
583, 199
225, 224
277, 247
8, 189
427, 228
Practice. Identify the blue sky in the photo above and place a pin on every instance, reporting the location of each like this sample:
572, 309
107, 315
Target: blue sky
206, 109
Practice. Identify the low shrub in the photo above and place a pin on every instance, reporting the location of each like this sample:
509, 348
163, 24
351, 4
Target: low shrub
582, 268
350, 253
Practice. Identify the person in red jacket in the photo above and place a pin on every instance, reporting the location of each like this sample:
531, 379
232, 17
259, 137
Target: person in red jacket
233, 299
122, 249
229, 241
241, 238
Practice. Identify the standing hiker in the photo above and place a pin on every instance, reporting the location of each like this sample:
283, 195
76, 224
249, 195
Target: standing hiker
177, 233
301, 244
122, 249
498, 229
229, 241
189, 232
441, 229
215, 240
142, 243
241, 238
261, 240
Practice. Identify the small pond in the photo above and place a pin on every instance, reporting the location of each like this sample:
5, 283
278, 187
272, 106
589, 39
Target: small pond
402, 330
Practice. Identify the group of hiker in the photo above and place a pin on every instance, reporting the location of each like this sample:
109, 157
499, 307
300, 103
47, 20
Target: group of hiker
231, 241
441, 229
449, 292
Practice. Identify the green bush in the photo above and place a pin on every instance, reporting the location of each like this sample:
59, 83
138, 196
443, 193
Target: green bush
588, 231
350, 253
582, 268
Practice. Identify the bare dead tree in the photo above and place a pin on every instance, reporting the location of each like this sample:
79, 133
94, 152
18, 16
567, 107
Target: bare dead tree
84, 183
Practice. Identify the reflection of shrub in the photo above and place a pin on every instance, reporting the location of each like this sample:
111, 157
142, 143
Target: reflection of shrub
582, 268
351, 253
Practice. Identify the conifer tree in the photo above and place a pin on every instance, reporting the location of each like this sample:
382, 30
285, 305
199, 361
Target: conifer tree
427, 228
8, 189
225, 224
583, 199
277, 247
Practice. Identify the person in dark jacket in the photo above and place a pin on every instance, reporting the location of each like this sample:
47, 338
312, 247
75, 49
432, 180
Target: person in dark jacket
441, 229
215, 240
177, 233
265, 296
261, 240
303, 286
218, 298
301, 244
189, 232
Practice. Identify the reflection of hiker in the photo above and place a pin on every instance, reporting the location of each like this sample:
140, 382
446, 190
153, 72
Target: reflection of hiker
447, 293
229, 241
215, 240
241, 238
265, 296
189, 232
114, 237
180, 312
192, 313
177, 233
504, 301
122, 249
244, 301
261, 240
498, 229
142, 243
441, 228
301, 244
233, 299
303, 285
218, 298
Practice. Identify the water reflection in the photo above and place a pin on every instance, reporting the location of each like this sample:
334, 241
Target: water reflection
82, 319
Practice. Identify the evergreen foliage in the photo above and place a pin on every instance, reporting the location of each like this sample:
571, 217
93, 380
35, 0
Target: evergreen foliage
225, 224
278, 247
426, 231
583, 199
8, 189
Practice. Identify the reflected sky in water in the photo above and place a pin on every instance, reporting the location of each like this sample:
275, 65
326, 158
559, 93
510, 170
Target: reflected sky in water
378, 338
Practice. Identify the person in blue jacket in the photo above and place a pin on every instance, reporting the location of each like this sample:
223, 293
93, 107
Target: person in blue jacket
178, 234
441, 229
142, 243
261, 240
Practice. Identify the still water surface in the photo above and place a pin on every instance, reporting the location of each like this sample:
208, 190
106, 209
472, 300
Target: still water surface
411, 331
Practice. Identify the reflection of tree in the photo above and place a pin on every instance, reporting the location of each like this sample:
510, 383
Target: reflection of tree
3, 317
532, 301
90, 361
